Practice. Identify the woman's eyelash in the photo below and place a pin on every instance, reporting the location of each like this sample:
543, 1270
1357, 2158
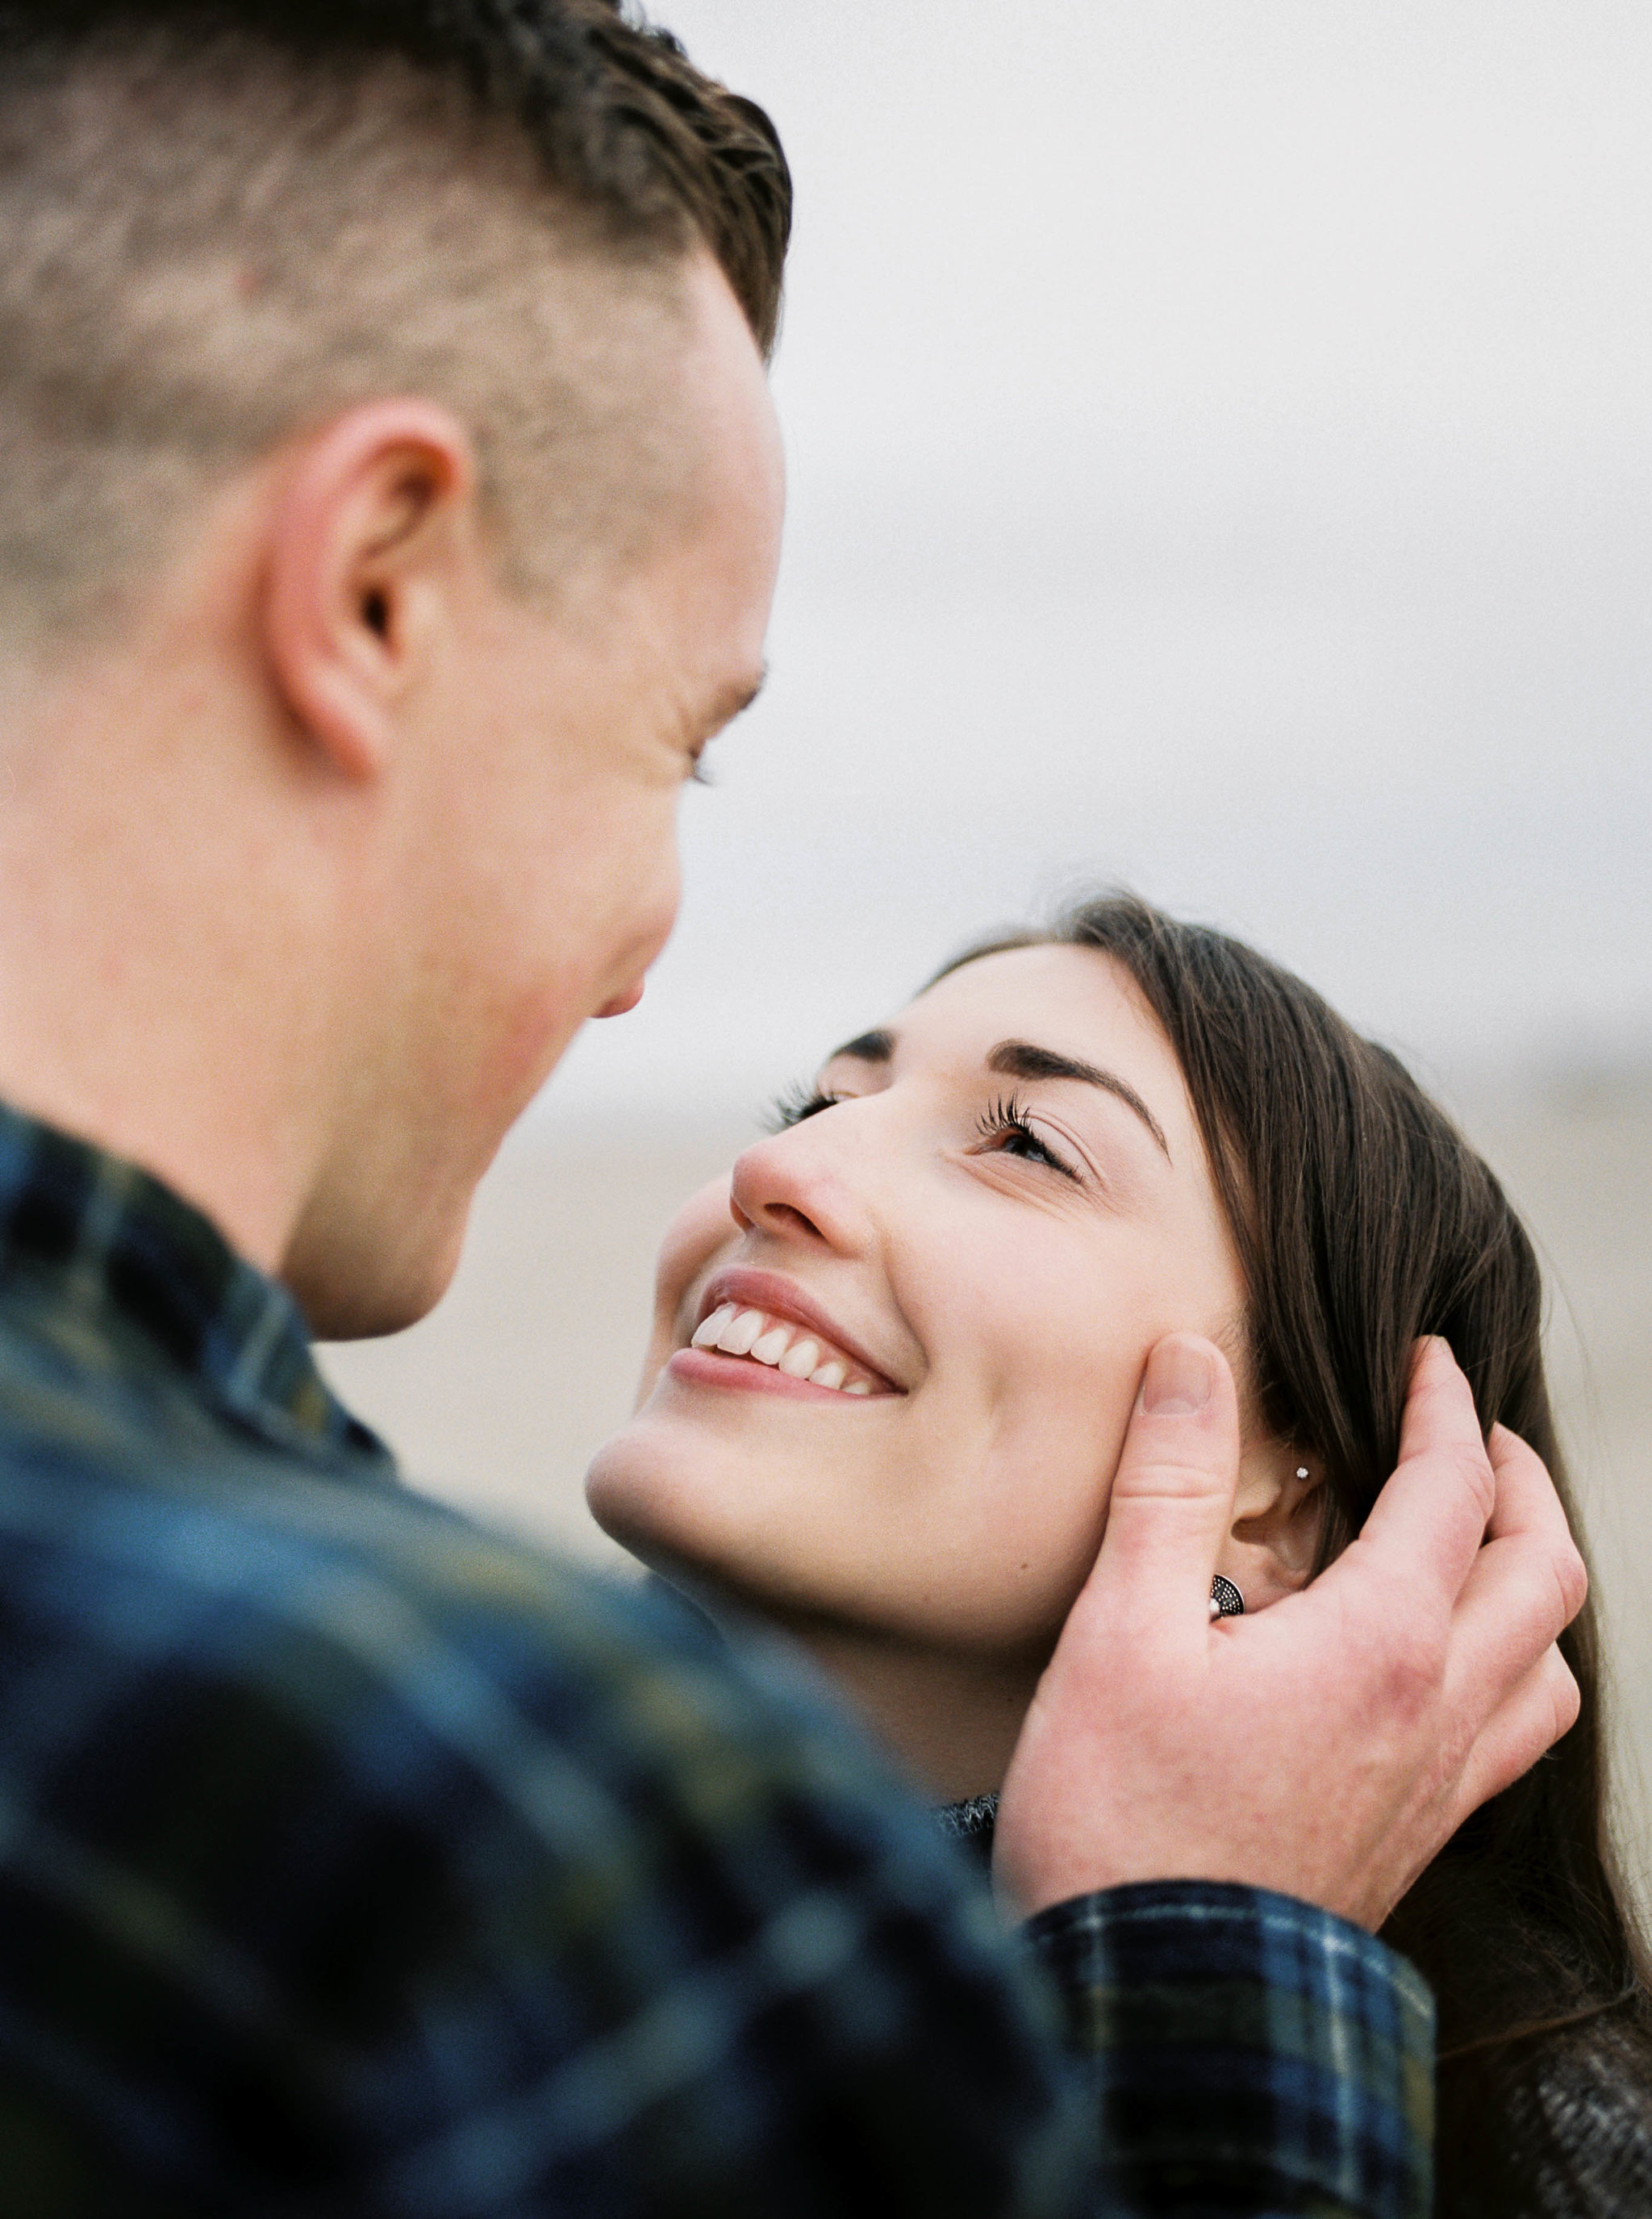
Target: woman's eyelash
795, 1104
1006, 1120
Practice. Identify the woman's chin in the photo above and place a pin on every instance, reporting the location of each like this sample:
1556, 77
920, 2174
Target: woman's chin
620, 1498
650, 1489
683, 1512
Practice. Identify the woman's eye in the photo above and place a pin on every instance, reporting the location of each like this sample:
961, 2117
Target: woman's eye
1006, 1126
1022, 1140
797, 1104
1019, 1141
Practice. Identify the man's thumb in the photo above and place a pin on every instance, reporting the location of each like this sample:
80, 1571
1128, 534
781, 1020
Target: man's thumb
1172, 1499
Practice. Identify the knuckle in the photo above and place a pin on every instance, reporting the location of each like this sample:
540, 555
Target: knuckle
1565, 1698
1413, 1667
1507, 1447
1545, 1591
1535, 1602
1572, 1576
1166, 1475
1471, 1469
1402, 1638
1535, 1607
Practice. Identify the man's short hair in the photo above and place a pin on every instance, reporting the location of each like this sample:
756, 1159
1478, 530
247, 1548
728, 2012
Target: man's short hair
224, 220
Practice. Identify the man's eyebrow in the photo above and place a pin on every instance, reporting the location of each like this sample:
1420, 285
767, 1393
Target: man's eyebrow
1015, 1058
867, 1047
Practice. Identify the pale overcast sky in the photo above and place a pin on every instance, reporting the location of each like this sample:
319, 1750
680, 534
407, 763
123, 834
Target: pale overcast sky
1221, 447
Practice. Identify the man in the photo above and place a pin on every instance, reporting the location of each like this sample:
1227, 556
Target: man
389, 516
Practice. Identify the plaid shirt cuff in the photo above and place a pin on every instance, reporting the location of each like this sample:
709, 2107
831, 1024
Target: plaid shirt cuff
1247, 2053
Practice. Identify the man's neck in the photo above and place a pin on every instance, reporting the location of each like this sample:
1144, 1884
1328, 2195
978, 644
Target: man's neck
142, 1006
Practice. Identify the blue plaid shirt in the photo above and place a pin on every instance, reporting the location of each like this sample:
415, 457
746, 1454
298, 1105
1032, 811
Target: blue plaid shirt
354, 1860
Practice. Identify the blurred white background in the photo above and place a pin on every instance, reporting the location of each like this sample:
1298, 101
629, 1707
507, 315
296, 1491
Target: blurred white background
1220, 440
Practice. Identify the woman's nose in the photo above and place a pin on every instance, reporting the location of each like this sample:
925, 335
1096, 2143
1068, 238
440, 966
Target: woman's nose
790, 1187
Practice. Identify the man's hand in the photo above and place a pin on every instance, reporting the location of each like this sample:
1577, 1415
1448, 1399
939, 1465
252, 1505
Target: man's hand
1328, 1746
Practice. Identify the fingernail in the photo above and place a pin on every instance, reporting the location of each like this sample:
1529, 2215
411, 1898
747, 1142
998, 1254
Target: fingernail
1178, 1380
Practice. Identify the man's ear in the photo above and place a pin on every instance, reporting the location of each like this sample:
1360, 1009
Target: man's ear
1278, 1513
375, 530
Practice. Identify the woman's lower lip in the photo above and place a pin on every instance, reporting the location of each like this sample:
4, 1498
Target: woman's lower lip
709, 1367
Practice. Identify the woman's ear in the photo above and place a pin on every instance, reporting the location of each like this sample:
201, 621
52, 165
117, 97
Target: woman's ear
1278, 1513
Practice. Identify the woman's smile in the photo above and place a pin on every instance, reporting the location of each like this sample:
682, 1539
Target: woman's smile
758, 1330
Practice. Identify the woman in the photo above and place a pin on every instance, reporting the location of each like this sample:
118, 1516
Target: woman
884, 1407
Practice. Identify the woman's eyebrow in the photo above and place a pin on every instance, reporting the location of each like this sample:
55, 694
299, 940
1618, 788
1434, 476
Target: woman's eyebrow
1015, 1058
866, 1047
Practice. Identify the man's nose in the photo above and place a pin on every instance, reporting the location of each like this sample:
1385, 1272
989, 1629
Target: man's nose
623, 1003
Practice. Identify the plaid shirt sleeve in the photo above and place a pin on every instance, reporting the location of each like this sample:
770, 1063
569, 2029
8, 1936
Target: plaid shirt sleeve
1244, 2052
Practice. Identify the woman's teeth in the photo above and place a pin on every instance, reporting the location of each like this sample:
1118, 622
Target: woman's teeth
788, 1348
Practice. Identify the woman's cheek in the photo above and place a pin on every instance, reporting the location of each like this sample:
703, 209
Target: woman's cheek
1088, 1392
697, 1240
1026, 1479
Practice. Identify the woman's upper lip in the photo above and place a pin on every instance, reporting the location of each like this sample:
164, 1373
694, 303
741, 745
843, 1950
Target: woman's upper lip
783, 1298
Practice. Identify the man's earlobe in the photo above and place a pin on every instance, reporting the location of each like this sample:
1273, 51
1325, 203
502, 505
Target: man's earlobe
375, 527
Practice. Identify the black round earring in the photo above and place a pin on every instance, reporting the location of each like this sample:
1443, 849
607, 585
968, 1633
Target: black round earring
1225, 1601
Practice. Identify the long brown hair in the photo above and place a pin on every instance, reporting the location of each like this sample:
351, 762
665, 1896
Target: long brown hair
1362, 1219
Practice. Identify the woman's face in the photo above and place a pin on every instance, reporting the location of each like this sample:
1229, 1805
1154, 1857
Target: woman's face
999, 1205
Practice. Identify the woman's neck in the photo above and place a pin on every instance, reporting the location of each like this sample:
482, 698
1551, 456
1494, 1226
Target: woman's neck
950, 1719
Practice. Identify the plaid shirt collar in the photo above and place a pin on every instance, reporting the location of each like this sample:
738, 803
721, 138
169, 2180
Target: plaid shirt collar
96, 1247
